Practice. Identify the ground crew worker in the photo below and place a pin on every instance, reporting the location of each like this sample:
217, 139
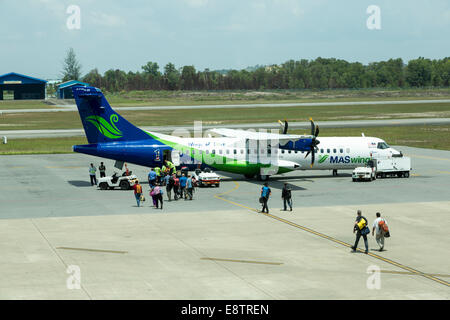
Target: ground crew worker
164, 169
158, 174
380, 232
171, 166
102, 170
286, 196
92, 171
361, 229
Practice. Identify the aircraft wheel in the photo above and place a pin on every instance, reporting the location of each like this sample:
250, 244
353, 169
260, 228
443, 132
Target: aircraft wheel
406, 174
263, 177
249, 176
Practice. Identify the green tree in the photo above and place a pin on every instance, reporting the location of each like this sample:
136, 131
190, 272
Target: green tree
71, 67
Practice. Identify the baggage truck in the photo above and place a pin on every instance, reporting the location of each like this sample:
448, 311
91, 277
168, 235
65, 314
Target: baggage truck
393, 167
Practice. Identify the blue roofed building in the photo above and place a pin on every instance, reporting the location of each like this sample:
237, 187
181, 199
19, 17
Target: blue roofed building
64, 90
15, 86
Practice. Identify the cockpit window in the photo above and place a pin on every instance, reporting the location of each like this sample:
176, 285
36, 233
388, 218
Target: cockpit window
382, 145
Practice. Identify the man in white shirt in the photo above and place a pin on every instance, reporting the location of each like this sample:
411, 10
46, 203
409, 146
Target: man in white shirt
380, 233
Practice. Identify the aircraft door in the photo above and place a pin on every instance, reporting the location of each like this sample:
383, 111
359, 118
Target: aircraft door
175, 155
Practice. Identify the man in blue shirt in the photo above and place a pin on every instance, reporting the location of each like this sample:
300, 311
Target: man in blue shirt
265, 193
183, 181
151, 178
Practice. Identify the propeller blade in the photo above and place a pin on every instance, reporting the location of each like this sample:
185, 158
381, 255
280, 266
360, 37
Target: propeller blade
317, 131
286, 125
312, 126
312, 159
307, 154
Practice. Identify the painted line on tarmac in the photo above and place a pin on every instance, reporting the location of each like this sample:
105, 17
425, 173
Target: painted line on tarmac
414, 274
93, 250
243, 261
399, 265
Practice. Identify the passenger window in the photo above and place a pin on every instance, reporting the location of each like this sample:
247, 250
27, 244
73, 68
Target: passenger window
234, 151
228, 151
328, 150
220, 151
207, 151
348, 150
321, 150
213, 151
334, 150
269, 151
289, 151
341, 150
242, 151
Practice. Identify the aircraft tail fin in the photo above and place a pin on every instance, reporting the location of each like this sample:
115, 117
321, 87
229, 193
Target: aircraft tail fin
101, 123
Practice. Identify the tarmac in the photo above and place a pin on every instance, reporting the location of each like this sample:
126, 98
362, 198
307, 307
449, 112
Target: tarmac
62, 238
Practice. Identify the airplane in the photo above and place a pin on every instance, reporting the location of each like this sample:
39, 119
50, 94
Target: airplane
248, 153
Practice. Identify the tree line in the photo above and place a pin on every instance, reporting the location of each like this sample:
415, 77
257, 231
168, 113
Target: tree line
321, 73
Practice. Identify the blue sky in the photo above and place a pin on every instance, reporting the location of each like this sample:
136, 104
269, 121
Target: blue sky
215, 34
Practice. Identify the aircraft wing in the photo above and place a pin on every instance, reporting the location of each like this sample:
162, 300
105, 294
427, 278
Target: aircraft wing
244, 134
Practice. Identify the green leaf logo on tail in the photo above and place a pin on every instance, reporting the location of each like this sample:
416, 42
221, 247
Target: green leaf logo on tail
323, 158
108, 129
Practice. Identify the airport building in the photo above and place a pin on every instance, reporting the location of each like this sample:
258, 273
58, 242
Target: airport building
15, 86
64, 90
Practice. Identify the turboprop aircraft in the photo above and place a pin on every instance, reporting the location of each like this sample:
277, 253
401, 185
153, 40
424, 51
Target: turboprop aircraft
249, 153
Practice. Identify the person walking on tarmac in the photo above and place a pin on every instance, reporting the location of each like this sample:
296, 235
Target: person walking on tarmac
265, 194
151, 178
102, 170
380, 227
92, 171
286, 196
183, 181
137, 192
361, 229
176, 187
169, 186
189, 187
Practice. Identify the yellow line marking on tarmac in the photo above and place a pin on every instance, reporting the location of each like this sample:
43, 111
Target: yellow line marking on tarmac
410, 273
448, 172
401, 266
243, 261
93, 250
415, 175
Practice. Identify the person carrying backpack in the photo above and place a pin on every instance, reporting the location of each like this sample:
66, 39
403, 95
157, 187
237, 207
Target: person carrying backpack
381, 227
265, 193
361, 229
176, 187
169, 186
137, 192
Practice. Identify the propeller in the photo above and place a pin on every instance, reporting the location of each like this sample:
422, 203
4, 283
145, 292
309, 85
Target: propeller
314, 142
284, 126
